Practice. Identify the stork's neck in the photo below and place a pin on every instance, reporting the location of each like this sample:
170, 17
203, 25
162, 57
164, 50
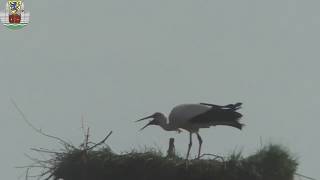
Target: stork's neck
166, 126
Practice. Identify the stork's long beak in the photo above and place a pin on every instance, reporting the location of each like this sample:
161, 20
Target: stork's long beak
150, 123
146, 125
144, 118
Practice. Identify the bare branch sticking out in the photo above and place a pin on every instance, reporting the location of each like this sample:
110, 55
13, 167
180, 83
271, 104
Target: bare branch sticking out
66, 144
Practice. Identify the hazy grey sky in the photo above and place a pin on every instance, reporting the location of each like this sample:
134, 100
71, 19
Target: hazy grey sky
116, 61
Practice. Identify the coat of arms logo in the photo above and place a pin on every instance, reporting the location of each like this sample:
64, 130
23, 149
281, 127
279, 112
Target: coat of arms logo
14, 15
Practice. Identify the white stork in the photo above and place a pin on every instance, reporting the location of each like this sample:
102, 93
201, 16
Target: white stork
192, 117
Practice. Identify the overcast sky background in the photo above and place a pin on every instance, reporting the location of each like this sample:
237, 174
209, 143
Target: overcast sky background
115, 61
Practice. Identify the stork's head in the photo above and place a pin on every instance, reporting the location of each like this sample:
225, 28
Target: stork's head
157, 119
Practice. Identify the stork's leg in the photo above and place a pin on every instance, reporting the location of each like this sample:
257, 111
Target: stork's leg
200, 144
190, 144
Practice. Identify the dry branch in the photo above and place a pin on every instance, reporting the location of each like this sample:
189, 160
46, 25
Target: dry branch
49, 166
66, 144
101, 142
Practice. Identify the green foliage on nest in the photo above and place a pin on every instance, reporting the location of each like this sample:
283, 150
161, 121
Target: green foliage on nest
272, 162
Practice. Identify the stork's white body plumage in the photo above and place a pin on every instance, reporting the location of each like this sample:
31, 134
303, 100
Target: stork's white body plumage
181, 115
192, 117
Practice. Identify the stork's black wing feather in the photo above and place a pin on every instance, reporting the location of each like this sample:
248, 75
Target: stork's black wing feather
229, 106
220, 116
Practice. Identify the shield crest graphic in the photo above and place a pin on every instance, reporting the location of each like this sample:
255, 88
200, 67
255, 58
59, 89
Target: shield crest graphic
14, 15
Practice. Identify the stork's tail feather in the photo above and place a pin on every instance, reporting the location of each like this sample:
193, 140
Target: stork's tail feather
234, 107
239, 126
235, 124
231, 124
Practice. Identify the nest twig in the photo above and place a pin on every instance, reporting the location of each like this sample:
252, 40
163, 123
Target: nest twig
49, 166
